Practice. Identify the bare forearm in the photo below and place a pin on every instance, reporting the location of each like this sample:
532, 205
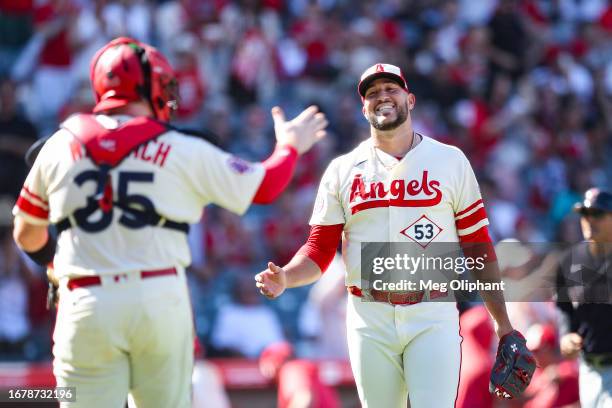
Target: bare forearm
29, 237
494, 299
301, 271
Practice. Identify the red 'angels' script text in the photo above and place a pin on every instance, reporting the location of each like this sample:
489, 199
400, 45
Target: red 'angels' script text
396, 195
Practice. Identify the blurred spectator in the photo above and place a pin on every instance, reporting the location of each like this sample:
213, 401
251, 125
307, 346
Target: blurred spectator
528, 282
285, 229
21, 296
555, 381
228, 241
509, 40
324, 313
255, 141
251, 68
207, 383
54, 21
584, 296
477, 351
245, 326
299, 382
128, 18
192, 88
17, 134
15, 31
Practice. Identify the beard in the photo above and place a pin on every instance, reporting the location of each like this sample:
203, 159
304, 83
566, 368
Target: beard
402, 115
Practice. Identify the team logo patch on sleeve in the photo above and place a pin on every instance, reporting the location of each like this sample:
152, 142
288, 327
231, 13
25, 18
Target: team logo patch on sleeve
238, 165
319, 204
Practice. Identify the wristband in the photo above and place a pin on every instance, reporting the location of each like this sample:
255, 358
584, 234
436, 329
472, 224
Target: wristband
45, 254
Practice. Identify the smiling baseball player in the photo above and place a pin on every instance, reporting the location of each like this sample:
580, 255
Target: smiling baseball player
122, 186
399, 186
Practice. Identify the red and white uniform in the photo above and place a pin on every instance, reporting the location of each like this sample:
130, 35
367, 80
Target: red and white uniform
187, 173
375, 197
125, 331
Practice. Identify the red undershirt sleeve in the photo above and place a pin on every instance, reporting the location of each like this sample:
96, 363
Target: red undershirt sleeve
322, 244
279, 170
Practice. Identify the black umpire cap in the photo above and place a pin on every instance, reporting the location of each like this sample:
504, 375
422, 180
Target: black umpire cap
595, 200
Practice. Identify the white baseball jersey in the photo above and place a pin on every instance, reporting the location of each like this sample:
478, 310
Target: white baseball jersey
430, 195
176, 173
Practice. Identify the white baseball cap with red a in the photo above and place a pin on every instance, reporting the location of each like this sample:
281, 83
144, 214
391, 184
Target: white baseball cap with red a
377, 71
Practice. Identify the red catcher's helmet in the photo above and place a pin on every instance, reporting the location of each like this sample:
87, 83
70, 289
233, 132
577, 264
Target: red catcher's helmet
126, 70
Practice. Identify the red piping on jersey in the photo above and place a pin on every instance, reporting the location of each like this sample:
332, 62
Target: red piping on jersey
279, 170
322, 244
396, 202
471, 206
31, 208
471, 219
35, 196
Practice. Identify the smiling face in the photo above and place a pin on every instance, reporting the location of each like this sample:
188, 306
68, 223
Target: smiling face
386, 104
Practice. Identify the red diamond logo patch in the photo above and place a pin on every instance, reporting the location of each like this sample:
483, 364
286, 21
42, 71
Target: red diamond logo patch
422, 231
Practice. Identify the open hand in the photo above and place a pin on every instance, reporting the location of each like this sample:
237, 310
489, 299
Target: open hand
272, 282
303, 131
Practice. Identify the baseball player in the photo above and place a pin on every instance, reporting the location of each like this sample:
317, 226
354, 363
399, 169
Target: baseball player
121, 187
397, 186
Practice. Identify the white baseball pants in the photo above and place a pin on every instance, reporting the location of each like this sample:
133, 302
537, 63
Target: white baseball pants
410, 351
133, 335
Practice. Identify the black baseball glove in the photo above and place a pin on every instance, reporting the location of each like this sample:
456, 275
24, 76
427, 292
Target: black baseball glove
513, 368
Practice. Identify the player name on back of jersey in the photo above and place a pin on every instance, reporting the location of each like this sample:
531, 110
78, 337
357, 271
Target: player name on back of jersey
154, 151
421, 193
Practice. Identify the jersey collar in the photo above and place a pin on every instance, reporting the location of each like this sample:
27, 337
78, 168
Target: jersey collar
367, 151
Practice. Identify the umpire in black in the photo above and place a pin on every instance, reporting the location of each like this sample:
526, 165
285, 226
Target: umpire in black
584, 296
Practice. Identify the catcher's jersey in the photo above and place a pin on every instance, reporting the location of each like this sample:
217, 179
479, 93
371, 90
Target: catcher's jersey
430, 195
175, 173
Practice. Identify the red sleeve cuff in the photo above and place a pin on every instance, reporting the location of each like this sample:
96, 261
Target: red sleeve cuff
322, 244
279, 170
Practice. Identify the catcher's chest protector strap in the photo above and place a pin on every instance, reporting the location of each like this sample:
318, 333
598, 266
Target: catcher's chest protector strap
107, 148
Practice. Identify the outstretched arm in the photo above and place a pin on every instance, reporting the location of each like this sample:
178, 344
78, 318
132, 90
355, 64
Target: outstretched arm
300, 271
306, 266
293, 138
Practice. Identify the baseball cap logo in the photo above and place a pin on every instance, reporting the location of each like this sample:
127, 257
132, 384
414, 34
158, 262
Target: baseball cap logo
387, 70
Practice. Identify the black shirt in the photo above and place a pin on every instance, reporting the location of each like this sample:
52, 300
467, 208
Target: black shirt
584, 295
13, 169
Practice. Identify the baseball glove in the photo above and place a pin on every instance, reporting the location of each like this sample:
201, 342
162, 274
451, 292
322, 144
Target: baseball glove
513, 368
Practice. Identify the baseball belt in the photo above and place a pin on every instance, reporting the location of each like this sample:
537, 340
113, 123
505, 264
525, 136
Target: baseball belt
85, 281
395, 298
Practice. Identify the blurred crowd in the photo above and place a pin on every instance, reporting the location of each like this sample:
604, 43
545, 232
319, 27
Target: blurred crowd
524, 87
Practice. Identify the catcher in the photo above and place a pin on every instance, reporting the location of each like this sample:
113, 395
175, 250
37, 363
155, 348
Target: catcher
121, 186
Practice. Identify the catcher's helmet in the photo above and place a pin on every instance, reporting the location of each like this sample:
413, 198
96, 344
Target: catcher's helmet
126, 70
